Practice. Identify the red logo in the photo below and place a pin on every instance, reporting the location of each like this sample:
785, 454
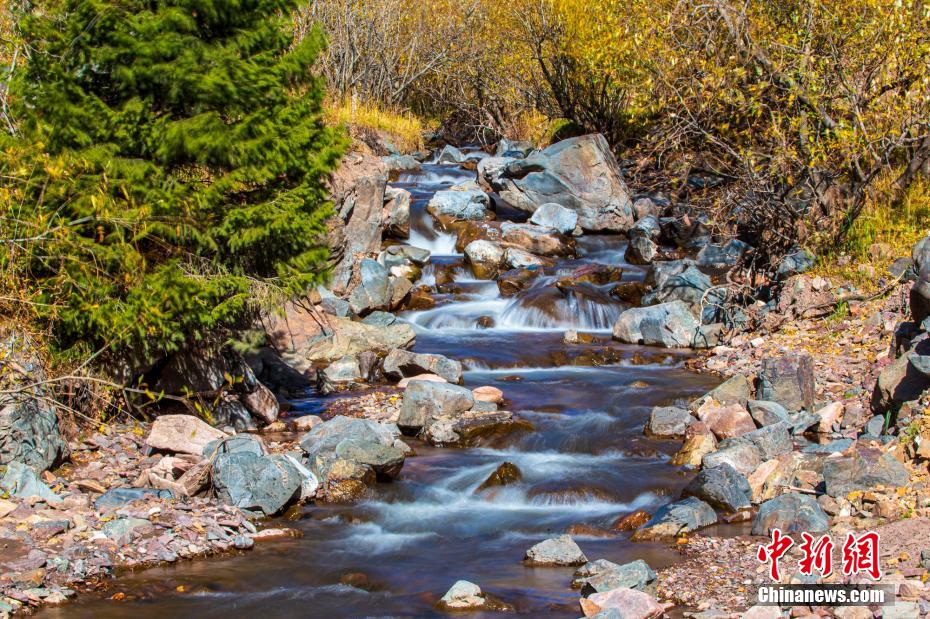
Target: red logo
860, 554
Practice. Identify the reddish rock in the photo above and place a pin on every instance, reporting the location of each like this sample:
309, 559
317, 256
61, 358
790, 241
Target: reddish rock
726, 421
631, 521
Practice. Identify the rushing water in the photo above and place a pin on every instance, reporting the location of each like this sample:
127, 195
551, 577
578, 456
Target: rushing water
586, 463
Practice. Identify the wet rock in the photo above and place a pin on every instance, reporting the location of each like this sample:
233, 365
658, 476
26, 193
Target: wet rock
670, 325
920, 292
629, 292
668, 422
677, 518
792, 513
725, 421
182, 434
461, 202
485, 258
395, 215
721, 487
425, 401
766, 413
643, 236
590, 569
115, 498
788, 380
516, 258
504, 475
22, 482
580, 173
511, 282
556, 551
419, 299
263, 483
399, 364
555, 216
29, 430
348, 337
373, 291
631, 521
864, 469
742, 456
470, 427
627, 603
536, 239
465, 595
385, 461
635, 575
400, 255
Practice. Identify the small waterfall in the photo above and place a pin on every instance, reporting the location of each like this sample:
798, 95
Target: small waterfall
437, 242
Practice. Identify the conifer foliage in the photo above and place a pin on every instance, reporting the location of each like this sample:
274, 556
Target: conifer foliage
171, 160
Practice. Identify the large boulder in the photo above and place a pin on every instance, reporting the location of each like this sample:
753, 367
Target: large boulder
182, 434
426, 401
449, 155
725, 255
901, 381
721, 487
788, 380
580, 173
677, 518
742, 456
643, 247
684, 283
555, 216
467, 596
341, 337
249, 481
22, 482
920, 292
670, 325
792, 513
535, 239
766, 413
468, 428
607, 576
863, 470
771, 441
29, 430
725, 421
373, 291
556, 551
461, 202
735, 390
399, 364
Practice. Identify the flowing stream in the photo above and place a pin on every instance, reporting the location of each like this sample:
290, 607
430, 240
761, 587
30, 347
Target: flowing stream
586, 463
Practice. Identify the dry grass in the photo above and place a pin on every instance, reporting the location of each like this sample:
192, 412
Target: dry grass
404, 130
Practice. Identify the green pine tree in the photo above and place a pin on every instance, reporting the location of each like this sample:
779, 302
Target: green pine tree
172, 158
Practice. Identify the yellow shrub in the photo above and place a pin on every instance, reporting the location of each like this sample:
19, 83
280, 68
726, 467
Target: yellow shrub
403, 129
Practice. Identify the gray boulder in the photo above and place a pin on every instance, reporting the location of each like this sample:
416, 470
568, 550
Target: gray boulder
792, 513
865, 469
556, 551
22, 482
450, 154
668, 422
670, 325
373, 291
635, 575
29, 431
344, 370
796, 262
425, 401
115, 498
580, 173
461, 202
788, 380
399, 364
324, 437
261, 483
766, 413
513, 148
401, 255
721, 487
233, 444
385, 461
401, 163
643, 248
349, 337
742, 456
735, 390
686, 284
771, 441
485, 258
674, 519
555, 216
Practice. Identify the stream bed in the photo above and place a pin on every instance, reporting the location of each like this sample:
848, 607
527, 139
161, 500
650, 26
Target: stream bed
394, 555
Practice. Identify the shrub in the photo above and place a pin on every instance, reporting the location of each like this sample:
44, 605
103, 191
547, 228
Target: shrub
169, 169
